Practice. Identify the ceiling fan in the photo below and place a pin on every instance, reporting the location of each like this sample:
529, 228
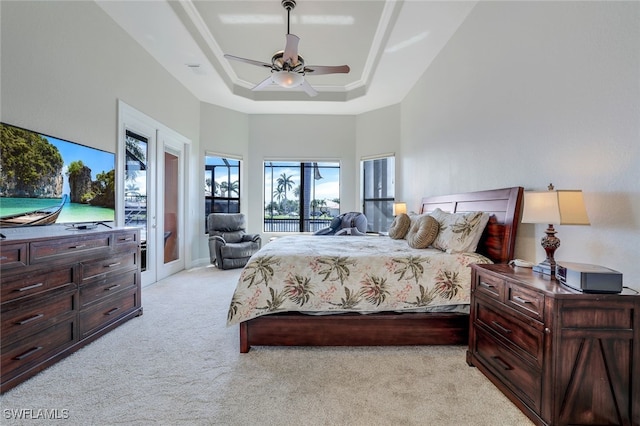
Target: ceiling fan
287, 67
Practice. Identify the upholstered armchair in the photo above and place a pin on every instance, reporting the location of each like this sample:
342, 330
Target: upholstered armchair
352, 223
229, 245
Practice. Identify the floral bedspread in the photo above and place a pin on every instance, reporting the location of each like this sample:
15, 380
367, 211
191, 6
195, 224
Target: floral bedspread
307, 273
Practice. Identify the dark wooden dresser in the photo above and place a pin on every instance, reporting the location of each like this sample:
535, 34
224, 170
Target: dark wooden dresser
562, 356
61, 289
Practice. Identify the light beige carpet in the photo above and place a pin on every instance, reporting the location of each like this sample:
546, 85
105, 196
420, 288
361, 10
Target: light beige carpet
179, 364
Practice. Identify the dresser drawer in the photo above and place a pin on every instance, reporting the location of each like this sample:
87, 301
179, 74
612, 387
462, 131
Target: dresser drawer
522, 378
23, 318
529, 302
13, 255
98, 316
127, 238
490, 286
105, 267
23, 285
525, 336
48, 250
106, 287
27, 353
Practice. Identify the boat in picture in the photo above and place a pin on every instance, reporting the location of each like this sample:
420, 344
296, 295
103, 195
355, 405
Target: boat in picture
43, 216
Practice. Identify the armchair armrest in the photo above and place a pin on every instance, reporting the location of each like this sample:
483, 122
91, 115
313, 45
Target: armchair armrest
218, 239
252, 237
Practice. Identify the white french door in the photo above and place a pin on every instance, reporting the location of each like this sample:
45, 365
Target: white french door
151, 188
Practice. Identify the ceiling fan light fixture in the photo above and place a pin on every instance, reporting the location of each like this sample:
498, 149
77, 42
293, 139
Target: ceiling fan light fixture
287, 79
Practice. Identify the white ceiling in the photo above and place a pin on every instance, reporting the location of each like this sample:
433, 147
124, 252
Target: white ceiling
388, 45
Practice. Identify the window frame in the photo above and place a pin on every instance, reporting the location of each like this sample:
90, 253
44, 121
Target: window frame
381, 218
212, 200
308, 170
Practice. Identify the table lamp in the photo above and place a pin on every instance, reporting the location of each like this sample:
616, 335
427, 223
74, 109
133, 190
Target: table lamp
562, 207
399, 208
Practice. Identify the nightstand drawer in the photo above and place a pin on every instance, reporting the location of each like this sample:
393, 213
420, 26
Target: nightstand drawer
519, 376
524, 300
525, 337
490, 286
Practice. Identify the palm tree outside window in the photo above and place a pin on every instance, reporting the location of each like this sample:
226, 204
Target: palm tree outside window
221, 185
300, 196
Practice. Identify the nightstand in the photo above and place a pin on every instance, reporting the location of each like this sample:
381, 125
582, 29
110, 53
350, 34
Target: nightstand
561, 356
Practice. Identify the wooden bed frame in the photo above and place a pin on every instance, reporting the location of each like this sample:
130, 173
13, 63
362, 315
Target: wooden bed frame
390, 328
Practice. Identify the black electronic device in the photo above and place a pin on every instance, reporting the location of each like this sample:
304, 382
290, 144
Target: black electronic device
589, 278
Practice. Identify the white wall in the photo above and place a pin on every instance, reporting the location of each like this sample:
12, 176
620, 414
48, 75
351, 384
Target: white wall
378, 132
528, 93
65, 65
300, 137
226, 133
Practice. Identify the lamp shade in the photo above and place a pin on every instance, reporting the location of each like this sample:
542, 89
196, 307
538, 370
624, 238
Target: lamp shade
561, 207
399, 208
287, 79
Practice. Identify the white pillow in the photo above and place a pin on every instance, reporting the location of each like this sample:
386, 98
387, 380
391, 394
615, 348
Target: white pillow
459, 232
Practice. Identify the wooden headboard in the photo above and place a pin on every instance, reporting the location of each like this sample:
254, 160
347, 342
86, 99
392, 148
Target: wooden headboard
499, 238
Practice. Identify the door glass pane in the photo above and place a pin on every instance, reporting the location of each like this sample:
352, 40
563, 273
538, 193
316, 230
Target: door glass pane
171, 219
136, 188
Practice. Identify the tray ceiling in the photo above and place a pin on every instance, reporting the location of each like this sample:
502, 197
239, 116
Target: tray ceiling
387, 44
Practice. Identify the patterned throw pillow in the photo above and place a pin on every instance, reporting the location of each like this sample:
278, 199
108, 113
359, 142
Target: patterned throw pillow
459, 232
423, 231
399, 226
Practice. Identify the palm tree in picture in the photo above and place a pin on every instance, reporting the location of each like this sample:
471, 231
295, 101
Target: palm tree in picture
285, 183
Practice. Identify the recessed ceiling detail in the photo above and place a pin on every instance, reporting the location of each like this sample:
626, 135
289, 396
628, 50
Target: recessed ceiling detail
288, 69
376, 38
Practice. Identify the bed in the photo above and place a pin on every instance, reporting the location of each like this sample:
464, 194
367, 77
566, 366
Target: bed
316, 273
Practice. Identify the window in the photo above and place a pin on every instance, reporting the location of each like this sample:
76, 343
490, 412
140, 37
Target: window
221, 185
300, 196
378, 176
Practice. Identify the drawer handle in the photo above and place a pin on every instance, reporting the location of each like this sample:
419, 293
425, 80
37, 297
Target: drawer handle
28, 320
501, 327
112, 265
521, 300
126, 239
28, 353
113, 287
30, 287
78, 246
113, 311
485, 285
502, 363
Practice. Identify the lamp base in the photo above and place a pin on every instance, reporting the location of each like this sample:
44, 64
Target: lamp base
545, 268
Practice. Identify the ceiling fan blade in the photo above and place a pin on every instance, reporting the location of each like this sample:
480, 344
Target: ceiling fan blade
264, 83
248, 61
291, 50
326, 69
308, 88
